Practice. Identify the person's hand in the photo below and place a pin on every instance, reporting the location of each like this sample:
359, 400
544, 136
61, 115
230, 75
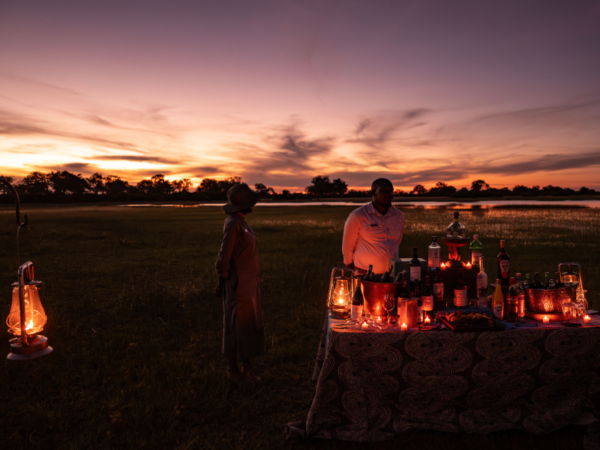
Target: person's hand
350, 266
219, 287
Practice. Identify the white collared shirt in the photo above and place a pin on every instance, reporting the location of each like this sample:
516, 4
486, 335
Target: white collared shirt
372, 239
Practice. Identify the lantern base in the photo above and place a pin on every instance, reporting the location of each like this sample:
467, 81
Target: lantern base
37, 347
339, 313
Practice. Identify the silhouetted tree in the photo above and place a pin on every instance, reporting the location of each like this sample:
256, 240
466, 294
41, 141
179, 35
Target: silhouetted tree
35, 183
264, 190
115, 185
96, 183
479, 185
419, 189
340, 187
441, 189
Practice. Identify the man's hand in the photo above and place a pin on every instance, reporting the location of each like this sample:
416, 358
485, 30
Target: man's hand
350, 266
219, 287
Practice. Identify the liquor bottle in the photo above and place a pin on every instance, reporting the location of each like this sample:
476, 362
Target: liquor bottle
427, 300
438, 291
357, 300
482, 284
415, 269
527, 281
456, 229
461, 299
546, 280
476, 248
503, 265
369, 274
433, 254
419, 301
498, 301
536, 281
521, 292
512, 302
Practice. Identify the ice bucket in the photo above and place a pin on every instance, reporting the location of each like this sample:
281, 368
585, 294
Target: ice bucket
374, 293
549, 300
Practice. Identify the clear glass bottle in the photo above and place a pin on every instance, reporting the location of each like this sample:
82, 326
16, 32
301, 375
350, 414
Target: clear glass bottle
434, 254
482, 284
456, 229
476, 248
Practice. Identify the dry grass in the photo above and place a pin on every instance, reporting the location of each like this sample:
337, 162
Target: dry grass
137, 330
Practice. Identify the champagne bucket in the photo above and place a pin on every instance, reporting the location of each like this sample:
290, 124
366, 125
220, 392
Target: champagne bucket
549, 300
374, 294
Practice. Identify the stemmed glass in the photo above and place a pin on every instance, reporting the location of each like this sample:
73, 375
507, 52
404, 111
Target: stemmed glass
567, 308
372, 324
389, 302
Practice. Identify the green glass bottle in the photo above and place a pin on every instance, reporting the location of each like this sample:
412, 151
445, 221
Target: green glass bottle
476, 248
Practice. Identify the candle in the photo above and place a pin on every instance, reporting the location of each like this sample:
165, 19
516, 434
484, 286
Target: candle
403, 327
546, 320
365, 326
587, 319
427, 321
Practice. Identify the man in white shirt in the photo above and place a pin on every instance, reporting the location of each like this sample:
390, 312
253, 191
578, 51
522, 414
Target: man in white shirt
373, 232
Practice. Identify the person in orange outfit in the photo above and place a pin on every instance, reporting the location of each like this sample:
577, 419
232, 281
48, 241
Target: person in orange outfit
238, 270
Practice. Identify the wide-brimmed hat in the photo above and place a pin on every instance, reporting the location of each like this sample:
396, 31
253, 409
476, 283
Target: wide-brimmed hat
240, 197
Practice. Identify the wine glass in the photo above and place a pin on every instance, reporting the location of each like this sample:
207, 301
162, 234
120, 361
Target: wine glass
389, 302
579, 311
567, 308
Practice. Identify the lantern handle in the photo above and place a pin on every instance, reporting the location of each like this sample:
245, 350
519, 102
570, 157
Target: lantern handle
20, 224
25, 272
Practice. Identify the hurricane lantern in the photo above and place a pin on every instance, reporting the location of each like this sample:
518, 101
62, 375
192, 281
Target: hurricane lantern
341, 291
27, 318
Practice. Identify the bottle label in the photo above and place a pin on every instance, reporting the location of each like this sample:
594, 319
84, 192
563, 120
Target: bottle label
460, 298
475, 255
357, 311
438, 290
427, 301
434, 258
504, 264
415, 273
498, 311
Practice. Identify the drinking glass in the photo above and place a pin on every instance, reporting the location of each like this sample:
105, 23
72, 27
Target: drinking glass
579, 311
512, 309
567, 308
389, 302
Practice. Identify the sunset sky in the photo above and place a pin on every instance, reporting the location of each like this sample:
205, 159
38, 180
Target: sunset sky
281, 91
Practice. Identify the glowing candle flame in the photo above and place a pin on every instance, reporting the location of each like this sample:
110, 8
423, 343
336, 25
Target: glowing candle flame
427, 321
29, 325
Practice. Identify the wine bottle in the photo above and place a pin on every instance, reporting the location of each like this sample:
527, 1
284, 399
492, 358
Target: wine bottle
551, 282
527, 281
503, 265
482, 284
546, 280
369, 274
357, 300
461, 299
427, 300
476, 248
498, 301
415, 269
521, 292
557, 281
405, 291
385, 277
438, 291
433, 254
536, 281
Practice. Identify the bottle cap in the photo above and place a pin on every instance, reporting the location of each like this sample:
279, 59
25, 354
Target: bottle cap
475, 237
434, 238
502, 244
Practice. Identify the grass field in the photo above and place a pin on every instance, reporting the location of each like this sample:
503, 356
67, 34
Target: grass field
137, 330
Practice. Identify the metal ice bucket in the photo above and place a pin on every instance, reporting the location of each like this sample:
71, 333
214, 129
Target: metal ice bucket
374, 293
549, 300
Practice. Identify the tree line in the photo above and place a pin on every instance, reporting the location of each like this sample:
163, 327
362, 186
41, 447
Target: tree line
64, 186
